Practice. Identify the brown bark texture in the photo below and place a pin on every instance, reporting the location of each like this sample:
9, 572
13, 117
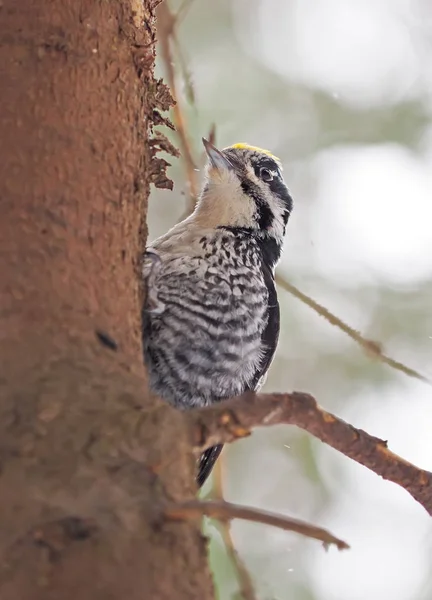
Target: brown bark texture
87, 455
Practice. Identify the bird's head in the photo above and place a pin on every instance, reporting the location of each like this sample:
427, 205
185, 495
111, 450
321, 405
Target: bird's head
245, 190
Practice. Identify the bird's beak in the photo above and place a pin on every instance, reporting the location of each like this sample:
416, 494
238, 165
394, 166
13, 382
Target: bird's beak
216, 158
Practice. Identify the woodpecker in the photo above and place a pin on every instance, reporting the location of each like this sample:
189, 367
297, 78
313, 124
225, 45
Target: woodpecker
211, 318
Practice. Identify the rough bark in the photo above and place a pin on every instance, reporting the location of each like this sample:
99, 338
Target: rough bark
87, 456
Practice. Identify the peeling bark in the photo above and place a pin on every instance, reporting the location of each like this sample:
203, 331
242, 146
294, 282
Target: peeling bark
87, 456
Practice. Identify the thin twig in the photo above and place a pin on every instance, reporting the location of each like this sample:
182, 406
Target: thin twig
370, 346
233, 419
183, 9
225, 511
247, 591
166, 32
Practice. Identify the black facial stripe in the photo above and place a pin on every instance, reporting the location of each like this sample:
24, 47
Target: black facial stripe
264, 215
265, 163
276, 185
245, 231
279, 189
285, 216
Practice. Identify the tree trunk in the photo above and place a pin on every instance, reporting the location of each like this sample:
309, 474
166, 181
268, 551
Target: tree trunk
87, 456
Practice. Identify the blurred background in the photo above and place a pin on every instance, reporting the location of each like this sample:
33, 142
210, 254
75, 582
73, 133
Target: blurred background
341, 91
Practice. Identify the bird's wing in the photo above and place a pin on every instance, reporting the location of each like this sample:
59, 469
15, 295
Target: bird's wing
270, 335
270, 338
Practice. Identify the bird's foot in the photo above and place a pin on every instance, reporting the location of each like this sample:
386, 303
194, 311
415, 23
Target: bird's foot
151, 268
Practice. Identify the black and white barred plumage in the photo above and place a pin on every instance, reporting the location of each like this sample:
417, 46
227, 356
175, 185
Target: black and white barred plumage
212, 330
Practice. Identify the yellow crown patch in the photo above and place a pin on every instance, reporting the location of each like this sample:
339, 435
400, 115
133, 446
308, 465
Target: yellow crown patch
242, 146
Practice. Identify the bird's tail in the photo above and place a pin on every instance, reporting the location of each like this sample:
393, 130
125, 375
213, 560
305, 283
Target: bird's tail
206, 463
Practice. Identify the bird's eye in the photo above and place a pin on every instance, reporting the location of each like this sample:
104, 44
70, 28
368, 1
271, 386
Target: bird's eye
266, 175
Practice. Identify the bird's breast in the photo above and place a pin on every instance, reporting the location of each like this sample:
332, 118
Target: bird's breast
207, 344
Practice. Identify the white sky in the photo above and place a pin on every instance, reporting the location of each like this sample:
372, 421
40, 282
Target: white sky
366, 52
374, 213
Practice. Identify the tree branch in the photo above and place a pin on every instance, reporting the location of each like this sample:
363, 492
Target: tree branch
247, 591
233, 419
225, 511
371, 347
